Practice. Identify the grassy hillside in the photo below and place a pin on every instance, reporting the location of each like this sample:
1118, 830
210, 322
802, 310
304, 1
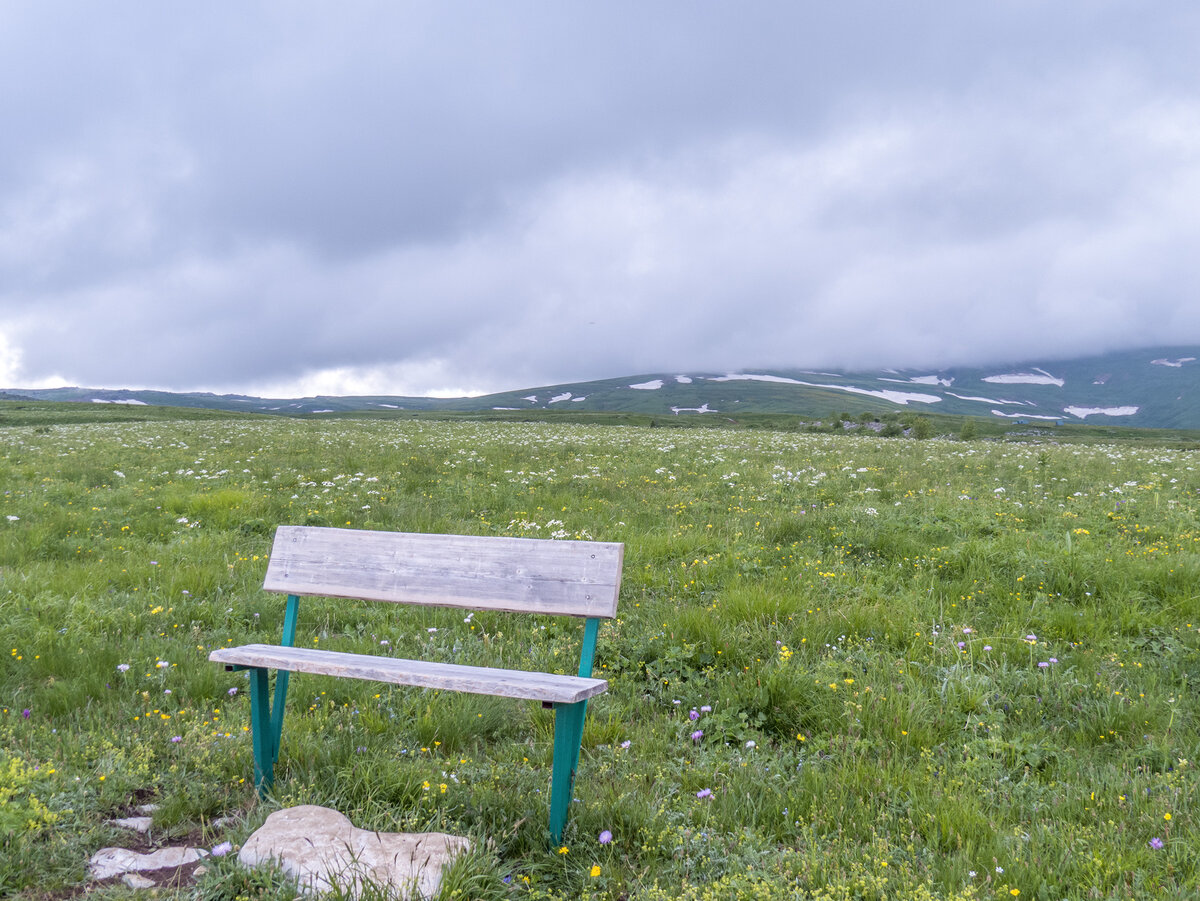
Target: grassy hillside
844, 666
46, 413
1153, 388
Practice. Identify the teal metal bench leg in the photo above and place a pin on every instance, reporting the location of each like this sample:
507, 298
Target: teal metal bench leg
568, 737
281, 677
260, 731
276, 730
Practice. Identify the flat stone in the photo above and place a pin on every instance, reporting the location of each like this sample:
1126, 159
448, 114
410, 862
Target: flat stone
137, 824
147, 808
133, 880
109, 862
320, 848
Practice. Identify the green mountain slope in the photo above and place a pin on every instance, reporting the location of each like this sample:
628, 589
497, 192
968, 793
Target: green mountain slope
1153, 388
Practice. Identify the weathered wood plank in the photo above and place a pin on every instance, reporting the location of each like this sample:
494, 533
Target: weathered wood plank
450, 676
520, 575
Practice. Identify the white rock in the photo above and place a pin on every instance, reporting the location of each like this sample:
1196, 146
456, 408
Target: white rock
137, 824
108, 862
320, 848
133, 880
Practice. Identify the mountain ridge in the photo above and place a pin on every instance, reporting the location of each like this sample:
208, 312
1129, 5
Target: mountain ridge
1148, 388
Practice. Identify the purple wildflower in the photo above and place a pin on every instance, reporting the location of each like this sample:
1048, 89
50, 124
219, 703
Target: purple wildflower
1156, 843
1042, 664
605, 837
27, 713
696, 736
704, 793
706, 709
176, 739
222, 849
694, 715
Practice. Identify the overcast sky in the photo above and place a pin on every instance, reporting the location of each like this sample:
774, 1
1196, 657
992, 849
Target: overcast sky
443, 197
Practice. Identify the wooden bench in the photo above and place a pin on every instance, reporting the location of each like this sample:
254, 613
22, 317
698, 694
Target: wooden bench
520, 575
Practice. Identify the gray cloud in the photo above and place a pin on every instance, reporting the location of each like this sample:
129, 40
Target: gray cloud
407, 199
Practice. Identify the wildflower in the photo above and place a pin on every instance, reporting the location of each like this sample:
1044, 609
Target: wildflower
987, 647
1156, 843
967, 630
751, 744
697, 735
222, 849
626, 743
1166, 816
694, 715
605, 837
1042, 664
564, 850
595, 871
122, 667
163, 664
232, 691
176, 739
961, 645
706, 709
704, 793
27, 713
1054, 660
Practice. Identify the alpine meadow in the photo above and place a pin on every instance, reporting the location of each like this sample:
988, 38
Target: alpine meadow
844, 666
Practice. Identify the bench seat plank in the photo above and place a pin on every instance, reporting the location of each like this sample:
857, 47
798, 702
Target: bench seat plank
451, 676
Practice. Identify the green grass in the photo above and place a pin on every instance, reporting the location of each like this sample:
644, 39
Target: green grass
860, 625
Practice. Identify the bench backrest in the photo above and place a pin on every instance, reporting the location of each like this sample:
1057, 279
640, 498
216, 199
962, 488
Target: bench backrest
520, 575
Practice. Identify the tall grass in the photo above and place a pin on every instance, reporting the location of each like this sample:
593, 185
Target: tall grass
844, 667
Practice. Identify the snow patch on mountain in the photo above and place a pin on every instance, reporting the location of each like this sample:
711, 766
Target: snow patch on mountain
558, 398
1173, 363
648, 386
1084, 412
1037, 377
130, 402
743, 377
924, 380
897, 397
701, 409
1021, 415
532, 398
989, 400
683, 379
